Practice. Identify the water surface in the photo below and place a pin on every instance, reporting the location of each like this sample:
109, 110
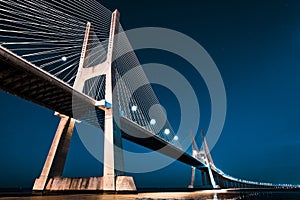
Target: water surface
199, 195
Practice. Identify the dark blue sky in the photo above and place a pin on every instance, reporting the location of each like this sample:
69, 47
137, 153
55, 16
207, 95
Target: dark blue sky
256, 46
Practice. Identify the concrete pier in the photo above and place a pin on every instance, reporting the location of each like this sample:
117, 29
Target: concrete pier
88, 184
57, 155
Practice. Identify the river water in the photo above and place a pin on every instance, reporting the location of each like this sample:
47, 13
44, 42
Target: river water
199, 195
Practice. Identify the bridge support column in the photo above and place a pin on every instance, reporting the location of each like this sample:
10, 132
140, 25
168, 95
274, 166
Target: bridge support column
56, 158
208, 181
220, 182
223, 183
109, 163
203, 177
192, 178
112, 139
209, 162
230, 184
217, 180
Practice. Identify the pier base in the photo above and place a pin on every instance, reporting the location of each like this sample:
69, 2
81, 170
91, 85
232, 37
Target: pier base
125, 184
88, 184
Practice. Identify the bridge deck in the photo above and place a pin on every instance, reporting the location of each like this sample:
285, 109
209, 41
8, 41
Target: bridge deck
23, 79
137, 134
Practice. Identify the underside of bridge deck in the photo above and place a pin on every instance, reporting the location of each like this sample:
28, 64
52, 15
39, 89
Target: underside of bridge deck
22, 79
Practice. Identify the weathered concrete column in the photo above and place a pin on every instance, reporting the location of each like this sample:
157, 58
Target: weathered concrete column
57, 155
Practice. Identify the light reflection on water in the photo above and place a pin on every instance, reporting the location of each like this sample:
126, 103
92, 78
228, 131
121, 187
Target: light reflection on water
215, 196
200, 195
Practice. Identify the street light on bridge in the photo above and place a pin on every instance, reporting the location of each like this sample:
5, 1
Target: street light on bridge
64, 58
134, 108
152, 121
167, 131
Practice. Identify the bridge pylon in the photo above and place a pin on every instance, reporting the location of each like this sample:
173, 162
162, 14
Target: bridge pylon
205, 157
51, 176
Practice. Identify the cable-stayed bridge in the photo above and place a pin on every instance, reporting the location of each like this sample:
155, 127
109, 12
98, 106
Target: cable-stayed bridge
73, 58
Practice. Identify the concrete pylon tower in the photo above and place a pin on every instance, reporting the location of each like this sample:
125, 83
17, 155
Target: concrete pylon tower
194, 154
50, 178
86, 73
205, 156
111, 182
209, 161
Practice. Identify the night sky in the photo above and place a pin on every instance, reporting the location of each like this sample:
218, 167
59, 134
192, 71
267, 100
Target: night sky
256, 46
